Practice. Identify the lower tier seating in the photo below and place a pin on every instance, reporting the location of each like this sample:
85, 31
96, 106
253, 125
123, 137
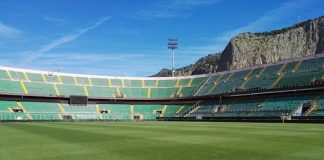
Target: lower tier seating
276, 106
11, 110
258, 107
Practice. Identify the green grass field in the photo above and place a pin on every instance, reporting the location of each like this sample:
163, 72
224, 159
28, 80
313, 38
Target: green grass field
160, 141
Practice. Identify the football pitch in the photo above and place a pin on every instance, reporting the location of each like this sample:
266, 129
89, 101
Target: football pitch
160, 141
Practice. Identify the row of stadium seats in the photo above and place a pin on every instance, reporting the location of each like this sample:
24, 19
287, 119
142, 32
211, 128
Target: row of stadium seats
260, 107
56, 111
304, 72
52, 111
94, 91
265, 77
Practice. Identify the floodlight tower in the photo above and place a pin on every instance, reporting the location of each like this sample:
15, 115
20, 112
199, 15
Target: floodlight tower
172, 44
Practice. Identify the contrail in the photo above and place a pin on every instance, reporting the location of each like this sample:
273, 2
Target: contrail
63, 40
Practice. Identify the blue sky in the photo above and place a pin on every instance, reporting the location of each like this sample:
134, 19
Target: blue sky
128, 37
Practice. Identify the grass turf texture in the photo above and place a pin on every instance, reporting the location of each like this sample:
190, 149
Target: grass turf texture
160, 140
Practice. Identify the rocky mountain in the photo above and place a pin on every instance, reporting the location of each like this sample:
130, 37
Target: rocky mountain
248, 49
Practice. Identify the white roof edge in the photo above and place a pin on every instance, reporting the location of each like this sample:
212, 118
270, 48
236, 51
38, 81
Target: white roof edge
161, 78
97, 76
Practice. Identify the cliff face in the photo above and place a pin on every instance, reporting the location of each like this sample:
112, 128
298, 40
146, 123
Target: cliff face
248, 49
207, 64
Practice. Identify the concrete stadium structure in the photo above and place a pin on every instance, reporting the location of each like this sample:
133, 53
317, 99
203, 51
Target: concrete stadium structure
291, 88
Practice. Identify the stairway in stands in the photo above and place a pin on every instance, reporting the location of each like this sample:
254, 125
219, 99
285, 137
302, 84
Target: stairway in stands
314, 106
280, 73
190, 109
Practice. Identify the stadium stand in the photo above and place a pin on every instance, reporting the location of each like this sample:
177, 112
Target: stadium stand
271, 77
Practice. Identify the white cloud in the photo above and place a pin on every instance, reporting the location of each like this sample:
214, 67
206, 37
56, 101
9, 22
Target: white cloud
53, 19
63, 40
173, 8
8, 31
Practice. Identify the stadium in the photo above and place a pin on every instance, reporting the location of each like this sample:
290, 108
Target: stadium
287, 91
291, 89
261, 96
